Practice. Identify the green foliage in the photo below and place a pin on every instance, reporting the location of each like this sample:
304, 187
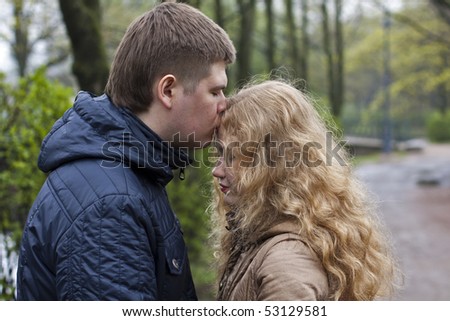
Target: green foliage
27, 112
117, 15
438, 127
419, 71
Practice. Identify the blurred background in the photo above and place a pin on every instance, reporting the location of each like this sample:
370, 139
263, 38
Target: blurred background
380, 69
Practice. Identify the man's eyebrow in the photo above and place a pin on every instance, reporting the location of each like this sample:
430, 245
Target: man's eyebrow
218, 87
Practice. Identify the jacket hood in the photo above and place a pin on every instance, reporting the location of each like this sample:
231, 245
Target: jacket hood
95, 128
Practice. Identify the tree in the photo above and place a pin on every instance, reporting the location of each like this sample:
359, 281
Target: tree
292, 38
334, 56
83, 23
339, 86
426, 66
443, 9
419, 66
116, 16
270, 35
28, 111
218, 10
305, 40
194, 3
21, 46
33, 23
327, 47
244, 52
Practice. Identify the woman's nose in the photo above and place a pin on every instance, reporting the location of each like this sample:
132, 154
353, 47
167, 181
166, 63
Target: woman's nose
218, 169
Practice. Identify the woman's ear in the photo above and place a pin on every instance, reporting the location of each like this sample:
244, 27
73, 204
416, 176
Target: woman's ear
165, 90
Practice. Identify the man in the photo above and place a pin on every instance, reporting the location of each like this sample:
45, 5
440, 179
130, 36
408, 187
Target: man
102, 228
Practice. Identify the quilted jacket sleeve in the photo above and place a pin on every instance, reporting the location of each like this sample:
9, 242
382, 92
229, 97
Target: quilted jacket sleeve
106, 253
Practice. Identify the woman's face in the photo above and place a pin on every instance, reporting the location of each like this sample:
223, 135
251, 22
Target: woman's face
224, 170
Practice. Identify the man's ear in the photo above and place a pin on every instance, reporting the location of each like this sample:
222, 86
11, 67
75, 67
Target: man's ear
165, 90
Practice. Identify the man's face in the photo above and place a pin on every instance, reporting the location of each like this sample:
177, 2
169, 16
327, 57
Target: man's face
197, 113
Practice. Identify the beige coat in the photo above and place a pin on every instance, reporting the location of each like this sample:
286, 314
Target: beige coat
281, 268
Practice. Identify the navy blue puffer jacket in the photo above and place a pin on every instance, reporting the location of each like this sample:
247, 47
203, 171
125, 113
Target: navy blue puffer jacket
101, 227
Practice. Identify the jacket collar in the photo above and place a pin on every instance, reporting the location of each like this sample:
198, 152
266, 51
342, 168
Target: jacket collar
95, 128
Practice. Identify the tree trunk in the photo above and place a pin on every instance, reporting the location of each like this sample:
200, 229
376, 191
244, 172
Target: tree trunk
21, 47
244, 50
443, 9
218, 9
305, 40
270, 51
339, 89
328, 54
194, 3
83, 23
292, 36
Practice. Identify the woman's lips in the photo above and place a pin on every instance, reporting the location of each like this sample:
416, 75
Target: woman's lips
224, 188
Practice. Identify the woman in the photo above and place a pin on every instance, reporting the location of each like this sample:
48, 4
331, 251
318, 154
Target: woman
291, 221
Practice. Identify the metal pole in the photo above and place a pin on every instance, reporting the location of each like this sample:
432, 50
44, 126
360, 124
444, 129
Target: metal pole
387, 126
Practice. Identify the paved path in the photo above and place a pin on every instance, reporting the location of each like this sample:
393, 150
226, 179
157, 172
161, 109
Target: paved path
414, 197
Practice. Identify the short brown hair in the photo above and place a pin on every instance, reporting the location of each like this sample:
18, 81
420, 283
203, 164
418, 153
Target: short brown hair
171, 38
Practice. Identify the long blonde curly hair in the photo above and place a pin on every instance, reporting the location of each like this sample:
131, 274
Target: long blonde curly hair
302, 180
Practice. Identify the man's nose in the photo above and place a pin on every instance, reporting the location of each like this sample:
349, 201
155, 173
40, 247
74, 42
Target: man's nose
222, 104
